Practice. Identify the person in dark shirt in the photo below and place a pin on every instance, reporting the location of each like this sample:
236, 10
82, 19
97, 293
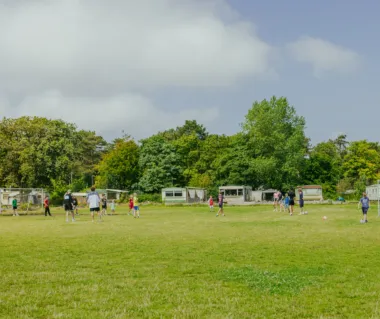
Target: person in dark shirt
75, 205
291, 195
104, 205
301, 201
220, 203
68, 206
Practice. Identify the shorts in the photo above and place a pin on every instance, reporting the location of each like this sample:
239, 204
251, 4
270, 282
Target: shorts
286, 206
14, 207
220, 205
68, 207
94, 209
104, 206
211, 206
130, 206
135, 207
301, 203
291, 202
365, 210
276, 200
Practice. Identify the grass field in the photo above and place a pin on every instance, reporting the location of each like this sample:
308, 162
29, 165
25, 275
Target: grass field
186, 263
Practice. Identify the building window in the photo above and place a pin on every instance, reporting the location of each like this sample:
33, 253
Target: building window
169, 194
178, 194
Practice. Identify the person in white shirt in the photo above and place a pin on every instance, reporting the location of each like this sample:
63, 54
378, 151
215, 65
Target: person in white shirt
93, 201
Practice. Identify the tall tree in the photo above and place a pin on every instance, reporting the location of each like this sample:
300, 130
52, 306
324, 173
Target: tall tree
276, 141
119, 167
159, 165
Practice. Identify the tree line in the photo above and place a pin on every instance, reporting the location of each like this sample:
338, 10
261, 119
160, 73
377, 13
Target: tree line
271, 150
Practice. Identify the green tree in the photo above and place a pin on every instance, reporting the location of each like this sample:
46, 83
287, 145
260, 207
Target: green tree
362, 161
159, 165
276, 142
119, 167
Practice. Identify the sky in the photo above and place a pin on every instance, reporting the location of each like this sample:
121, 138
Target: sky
138, 67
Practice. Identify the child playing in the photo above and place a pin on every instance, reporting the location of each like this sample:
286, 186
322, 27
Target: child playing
211, 204
286, 202
131, 206
136, 209
112, 207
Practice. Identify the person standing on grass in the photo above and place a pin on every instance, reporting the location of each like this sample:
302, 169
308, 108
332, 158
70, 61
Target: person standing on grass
93, 201
47, 206
104, 204
68, 205
291, 195
301, 201
131, 210
275, 201
14, 207
286, 203
112, 207
136, 209
75, 205
364, 203
220, 203
280, 200
211, 204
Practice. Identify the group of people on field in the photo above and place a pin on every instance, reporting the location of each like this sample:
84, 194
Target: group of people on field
95, 202
286, 202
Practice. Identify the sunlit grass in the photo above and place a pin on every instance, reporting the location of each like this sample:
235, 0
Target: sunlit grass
186, 263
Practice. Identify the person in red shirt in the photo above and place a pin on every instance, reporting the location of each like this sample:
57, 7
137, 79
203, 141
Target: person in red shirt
211, 204
131, 206
46, 205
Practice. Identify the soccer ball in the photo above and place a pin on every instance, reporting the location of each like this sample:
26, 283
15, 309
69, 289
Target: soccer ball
305, 213
324, 217
361, 221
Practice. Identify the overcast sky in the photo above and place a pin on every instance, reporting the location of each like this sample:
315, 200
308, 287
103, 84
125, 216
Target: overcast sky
148, 65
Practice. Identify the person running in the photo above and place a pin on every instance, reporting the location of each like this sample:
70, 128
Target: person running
68, 205
364, 203
220, 203
286, 203
113, 207
280, 204
131, 210
211, 204
291, 195
301, 202
93, 201
275, 201
47, 206
104, 204
136, 209
75, 205
14, 207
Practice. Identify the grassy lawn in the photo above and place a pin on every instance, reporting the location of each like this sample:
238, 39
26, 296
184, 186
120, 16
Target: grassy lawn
186, 263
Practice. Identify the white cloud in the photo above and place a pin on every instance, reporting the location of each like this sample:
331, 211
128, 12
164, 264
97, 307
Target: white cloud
110, 45
324, 56
72, 58
131, 113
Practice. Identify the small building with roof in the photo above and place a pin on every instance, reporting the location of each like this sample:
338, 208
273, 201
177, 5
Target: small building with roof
178, 195
236, 194
310, 192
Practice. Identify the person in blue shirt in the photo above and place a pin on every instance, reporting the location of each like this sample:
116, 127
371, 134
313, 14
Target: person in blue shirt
364, 203
286, 202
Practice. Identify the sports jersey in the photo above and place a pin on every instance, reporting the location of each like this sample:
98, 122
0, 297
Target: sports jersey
220, 198
135, 201
287, 199
67, 199
93, 199
211, 202
14, 202
365, 202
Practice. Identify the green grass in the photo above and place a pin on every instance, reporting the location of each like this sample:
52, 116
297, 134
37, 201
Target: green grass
183, 262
